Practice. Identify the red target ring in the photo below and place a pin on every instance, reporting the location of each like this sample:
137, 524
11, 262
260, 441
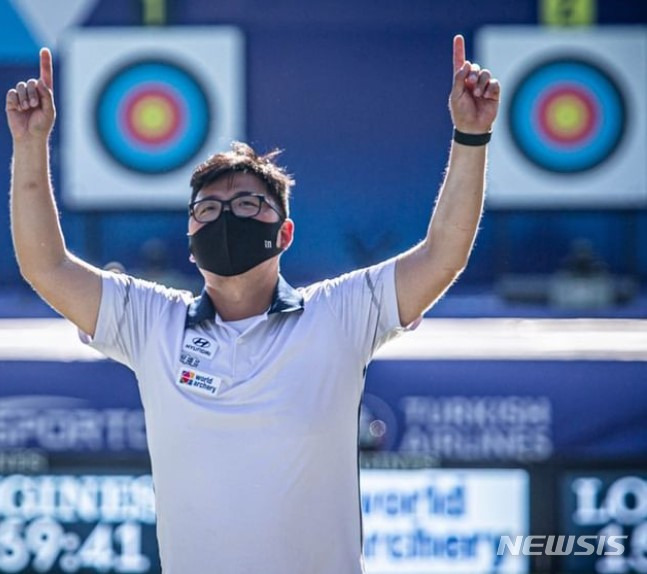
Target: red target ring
152, 115
567, 115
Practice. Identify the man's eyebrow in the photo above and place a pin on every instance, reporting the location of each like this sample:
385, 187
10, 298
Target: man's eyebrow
212, 195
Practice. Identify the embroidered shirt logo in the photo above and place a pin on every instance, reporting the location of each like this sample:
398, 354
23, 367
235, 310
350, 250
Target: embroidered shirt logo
189, 360
198, 345
198, 382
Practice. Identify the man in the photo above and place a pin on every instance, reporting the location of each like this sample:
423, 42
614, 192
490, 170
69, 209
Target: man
251, 391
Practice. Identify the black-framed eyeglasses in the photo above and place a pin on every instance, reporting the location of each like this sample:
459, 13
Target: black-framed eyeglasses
244, 205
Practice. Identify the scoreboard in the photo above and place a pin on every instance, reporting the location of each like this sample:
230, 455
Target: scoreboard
606, 503
79, 517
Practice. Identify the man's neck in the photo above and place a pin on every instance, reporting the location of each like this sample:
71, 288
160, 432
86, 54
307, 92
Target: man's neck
243, 296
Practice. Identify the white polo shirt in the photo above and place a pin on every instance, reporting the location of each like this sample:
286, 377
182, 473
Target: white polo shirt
252, 427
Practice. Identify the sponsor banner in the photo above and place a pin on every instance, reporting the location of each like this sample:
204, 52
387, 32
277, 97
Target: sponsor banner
58, 407
445, 521
144, 108
572, 127
466, 411
506, 411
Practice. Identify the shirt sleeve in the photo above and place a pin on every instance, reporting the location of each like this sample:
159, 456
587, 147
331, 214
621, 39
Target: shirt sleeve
128, 313
366, 304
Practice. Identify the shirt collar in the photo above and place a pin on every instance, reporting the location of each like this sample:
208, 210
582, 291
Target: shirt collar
285, 300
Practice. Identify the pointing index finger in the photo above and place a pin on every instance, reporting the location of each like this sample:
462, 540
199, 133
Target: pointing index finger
46, 69
459, 52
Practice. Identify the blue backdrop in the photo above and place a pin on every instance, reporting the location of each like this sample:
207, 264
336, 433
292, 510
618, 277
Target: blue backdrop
356, 93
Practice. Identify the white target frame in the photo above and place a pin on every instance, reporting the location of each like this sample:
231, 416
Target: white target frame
621, 180
91, 179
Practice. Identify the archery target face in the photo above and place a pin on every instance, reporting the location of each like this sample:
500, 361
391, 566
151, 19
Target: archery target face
143, 108
572, 124
152, 117
567, 115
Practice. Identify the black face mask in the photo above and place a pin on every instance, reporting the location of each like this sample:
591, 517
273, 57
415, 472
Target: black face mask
231, 245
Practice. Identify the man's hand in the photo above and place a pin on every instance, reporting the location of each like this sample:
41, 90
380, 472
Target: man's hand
474, 99
30, 105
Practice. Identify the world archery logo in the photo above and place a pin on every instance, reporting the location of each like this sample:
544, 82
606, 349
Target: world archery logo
200, 383
152, 116
567, 115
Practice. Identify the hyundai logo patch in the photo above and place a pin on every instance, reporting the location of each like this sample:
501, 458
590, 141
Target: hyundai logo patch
199, 346
202, 343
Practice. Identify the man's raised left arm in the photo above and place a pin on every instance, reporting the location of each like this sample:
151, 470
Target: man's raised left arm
425, 272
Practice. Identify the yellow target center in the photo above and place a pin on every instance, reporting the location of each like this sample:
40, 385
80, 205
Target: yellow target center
152, 116
567, 115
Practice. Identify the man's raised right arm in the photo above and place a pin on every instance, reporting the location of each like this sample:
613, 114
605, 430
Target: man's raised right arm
69, 285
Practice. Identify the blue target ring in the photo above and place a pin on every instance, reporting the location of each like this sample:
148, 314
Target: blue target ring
152, 116
567, 116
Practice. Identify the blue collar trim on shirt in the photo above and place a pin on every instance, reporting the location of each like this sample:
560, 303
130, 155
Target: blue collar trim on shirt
285, 300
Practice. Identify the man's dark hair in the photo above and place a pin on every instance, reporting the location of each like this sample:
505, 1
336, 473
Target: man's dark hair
243, 158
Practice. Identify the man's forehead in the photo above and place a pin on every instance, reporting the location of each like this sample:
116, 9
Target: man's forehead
233, 182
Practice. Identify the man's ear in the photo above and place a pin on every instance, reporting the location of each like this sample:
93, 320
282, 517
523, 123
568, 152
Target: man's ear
285, 235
